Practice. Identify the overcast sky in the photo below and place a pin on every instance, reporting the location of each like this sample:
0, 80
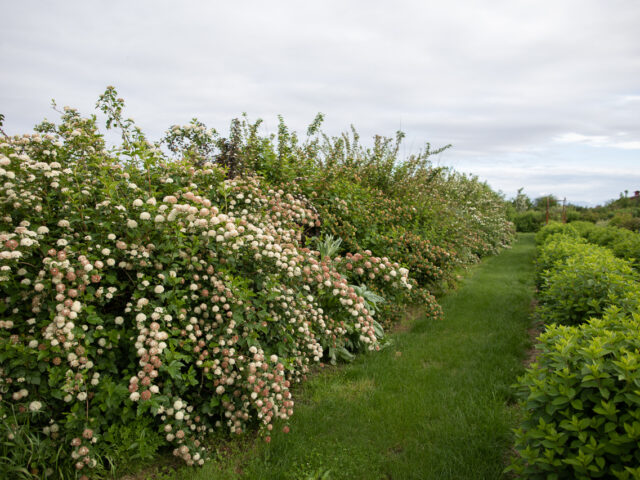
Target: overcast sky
541, 94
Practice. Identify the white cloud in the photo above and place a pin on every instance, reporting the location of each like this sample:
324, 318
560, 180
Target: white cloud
628, 145
599, 140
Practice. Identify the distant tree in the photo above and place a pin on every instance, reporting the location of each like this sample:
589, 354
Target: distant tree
522, 202
541, 202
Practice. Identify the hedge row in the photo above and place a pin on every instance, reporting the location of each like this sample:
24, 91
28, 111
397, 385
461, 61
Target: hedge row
528, 221
623, 243
581, 398
150, 299
579, 280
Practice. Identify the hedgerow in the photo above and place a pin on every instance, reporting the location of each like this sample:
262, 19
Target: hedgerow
580, 401
528, 221
176, 289
554, 228
578, 280
583, 285
556, 249
622, 242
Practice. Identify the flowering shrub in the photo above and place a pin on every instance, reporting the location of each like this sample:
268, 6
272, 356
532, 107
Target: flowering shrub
369, 195
168, 298
135, 287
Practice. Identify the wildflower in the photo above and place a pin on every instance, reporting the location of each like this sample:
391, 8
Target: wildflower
35, 406
158, 289
132, 223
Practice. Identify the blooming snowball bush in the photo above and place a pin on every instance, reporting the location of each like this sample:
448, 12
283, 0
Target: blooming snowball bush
141, 293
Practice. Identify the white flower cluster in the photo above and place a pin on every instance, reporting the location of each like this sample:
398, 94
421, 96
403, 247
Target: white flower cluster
206, 283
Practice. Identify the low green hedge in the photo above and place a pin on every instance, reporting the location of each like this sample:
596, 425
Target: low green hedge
584, 228
578, 280
556, 249
622, 242
584, 284
581, 402
529, 221
581, 399
553, 228
608, 236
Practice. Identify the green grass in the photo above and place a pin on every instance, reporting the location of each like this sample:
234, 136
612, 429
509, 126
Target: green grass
436, 404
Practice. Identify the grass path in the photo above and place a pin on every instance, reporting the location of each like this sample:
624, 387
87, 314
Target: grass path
433, 405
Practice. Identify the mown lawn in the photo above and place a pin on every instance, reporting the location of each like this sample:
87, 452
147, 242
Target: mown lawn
436, 404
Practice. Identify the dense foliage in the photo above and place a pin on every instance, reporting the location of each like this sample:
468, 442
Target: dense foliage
582, 280
581, 402
621, 241
580, 399
165, 291
623, 212
531, 215
557, 248
430, 219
